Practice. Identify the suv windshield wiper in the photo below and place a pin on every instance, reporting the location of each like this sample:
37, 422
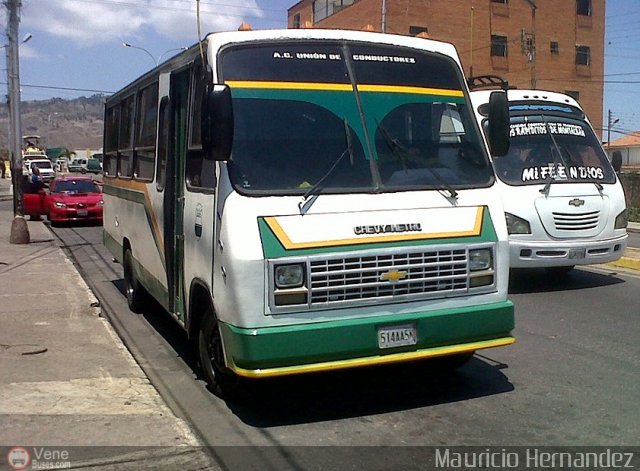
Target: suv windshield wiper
401, 153
312, 193
563, 162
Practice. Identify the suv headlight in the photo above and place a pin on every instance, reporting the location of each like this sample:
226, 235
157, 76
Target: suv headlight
516, 225
480, 259
622, 220
289, 276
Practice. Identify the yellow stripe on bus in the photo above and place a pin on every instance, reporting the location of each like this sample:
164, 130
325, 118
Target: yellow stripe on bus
288, 244
370, 361
344, 87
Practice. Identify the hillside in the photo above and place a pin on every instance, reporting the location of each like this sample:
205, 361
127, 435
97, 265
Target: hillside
75, 124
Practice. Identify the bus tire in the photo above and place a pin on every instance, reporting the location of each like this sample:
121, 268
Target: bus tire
220, 380
134, 291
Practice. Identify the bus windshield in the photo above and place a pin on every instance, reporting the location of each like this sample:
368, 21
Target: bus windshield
552, 148
356, 117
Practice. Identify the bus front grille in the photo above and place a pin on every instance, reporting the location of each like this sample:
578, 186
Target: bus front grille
438, 272
576, 221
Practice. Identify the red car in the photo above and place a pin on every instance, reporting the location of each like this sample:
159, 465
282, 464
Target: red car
74, 198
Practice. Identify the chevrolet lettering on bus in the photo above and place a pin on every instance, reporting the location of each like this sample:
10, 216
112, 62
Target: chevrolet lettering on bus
387, 228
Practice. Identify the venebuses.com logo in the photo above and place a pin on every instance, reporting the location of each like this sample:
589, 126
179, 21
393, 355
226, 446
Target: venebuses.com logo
38, 458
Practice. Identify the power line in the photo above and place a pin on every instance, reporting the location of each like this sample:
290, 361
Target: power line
47, 87
115, 3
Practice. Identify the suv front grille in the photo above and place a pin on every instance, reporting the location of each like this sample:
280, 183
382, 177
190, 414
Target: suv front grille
576, 222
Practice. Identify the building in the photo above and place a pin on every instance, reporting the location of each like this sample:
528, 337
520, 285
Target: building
545, 44
629, 148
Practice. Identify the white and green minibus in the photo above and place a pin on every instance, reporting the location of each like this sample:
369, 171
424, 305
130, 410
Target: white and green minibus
310, 200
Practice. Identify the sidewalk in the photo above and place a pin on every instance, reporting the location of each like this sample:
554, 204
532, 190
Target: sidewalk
66, 379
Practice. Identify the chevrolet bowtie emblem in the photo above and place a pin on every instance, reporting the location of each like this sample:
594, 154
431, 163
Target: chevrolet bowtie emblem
393, 275
577, 202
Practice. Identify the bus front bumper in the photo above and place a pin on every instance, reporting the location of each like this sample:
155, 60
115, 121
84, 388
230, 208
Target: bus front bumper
306, 348
532, 254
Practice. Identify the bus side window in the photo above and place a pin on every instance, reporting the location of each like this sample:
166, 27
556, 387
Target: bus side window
109, 161
145, 142
125, 139
163, 143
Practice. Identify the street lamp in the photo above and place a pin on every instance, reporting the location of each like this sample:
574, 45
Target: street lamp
155, 61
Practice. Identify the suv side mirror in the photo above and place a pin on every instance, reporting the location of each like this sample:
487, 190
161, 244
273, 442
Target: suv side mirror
217, 122
616, 160
498, 123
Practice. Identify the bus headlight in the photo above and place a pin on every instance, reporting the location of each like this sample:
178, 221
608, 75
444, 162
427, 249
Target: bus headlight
289, 276
480, 259
622, 220
516, 225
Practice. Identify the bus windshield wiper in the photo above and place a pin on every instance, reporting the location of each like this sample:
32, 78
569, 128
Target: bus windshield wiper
547, 186
312, 193
402, 155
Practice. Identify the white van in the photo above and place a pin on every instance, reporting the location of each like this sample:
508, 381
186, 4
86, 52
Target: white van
564, 204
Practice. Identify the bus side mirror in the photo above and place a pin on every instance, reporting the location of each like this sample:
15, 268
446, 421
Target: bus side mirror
616, 160
498, 123
217, 122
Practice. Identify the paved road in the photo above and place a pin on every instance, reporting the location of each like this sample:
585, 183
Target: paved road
571, 379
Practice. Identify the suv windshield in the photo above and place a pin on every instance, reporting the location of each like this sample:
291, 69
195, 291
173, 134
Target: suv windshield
400, 115
534, 159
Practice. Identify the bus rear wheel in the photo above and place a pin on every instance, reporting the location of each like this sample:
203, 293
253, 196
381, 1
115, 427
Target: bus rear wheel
211, 355
135, 292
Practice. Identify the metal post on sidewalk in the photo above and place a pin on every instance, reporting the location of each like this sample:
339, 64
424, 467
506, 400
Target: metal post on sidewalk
19, 228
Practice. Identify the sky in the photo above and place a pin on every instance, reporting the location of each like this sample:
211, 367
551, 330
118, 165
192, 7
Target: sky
76, 45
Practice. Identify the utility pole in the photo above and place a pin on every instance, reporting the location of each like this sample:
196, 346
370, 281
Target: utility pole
529, 43
19, 228
610, 122
383, 24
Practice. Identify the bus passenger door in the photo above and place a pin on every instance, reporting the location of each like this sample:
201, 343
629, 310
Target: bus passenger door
173, 203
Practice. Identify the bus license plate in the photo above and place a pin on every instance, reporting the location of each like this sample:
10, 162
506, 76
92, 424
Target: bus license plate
577, 253
397, 336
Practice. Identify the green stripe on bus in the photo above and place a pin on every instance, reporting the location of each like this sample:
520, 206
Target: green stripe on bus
308, 344
272, 248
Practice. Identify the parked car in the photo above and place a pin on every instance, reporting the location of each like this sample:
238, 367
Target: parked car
83, 165
92, 166
74, 198
76, 165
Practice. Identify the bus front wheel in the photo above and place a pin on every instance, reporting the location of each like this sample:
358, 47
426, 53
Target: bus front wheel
220, 380
136, 295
